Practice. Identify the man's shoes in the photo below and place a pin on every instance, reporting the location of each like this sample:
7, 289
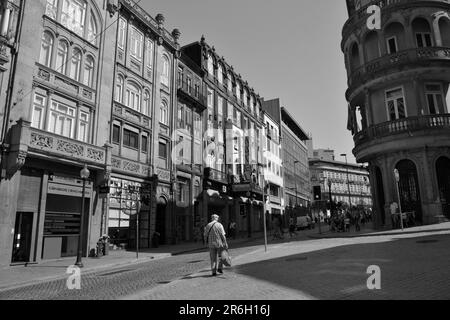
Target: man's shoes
214, 274
220, 271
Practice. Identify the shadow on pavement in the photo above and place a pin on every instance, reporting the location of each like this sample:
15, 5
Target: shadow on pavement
413, 268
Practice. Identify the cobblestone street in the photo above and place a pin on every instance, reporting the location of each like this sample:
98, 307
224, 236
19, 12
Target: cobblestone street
413, 266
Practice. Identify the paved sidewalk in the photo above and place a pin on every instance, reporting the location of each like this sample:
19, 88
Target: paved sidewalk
369, 232
24, 275
234, 285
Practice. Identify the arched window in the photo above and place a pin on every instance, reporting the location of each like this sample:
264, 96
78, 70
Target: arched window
245, 97
73, 15
395, 37
371, 46
46, 49
444, 28
354, 57
210, 65
230, 82
92, 30
165, 71
163, 113
220, 74
422, 33
88, 71
133, 96
238, 91
75, 65
61, 57
119, 89
147, 103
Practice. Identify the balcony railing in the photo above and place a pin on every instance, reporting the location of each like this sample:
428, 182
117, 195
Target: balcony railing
401, 126
370, 69
189, 91
43, 141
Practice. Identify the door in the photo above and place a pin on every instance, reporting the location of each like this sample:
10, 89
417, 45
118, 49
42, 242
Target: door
409, 189
22, 237
443, 176
161, 209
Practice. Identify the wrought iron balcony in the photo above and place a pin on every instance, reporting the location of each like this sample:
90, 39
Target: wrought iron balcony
188, 91
216, 175
401, 126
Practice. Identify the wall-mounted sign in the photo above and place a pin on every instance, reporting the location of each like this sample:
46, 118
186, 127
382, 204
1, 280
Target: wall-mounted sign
67, 190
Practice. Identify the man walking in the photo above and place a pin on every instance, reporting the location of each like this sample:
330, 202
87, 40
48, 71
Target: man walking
215, 238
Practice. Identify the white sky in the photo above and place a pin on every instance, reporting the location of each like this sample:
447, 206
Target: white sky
287, 49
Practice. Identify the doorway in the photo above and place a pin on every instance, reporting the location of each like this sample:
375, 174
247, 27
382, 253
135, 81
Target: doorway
409, 189
380, 195
160, 227
22, 237
443, 177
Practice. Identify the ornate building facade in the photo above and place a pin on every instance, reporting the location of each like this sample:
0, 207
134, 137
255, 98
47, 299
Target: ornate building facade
232, 156
398, 79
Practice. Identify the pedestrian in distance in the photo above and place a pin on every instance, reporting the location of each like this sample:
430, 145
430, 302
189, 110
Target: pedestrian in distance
292, 226
217, 243
232, 229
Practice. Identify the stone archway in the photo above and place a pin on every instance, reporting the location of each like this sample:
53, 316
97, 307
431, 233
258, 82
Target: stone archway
409, 189
443, 179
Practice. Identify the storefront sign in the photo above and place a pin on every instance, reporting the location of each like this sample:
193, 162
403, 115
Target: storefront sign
67, 190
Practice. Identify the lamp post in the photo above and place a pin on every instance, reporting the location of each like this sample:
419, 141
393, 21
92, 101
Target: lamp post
397, 179
348, 181
84, 174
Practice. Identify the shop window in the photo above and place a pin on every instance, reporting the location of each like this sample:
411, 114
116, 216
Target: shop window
130, 139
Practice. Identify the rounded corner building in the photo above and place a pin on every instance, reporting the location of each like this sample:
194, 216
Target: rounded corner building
398, 94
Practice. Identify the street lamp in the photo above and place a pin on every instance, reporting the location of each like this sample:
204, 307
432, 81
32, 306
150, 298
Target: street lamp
397, 179
348, 181
84, 174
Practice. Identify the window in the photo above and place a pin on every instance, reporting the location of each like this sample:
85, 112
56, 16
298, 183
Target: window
230, 112
73, 15
88, 71
122, 33
39, 106
147, 103
238, 91
210, 65
149, 54
210, 99
116, 134
423, 40
46, 49
119, 89
144, 143
392, 45
133, 97
62, 120
245, 98
230, 83
75, 65
180, 119
435, 98
163, 116
163, 149
61, 57
51, 8
396, 104
137, 43
83, 126
92, 30
165, 71
189, 85
220, 74
130, 139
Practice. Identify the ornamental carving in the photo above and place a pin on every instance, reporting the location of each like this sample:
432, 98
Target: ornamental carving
87, 94
116, 163
42, 141
146, 171
43, 74
71, 148
130, 166
95, 154
163, 174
